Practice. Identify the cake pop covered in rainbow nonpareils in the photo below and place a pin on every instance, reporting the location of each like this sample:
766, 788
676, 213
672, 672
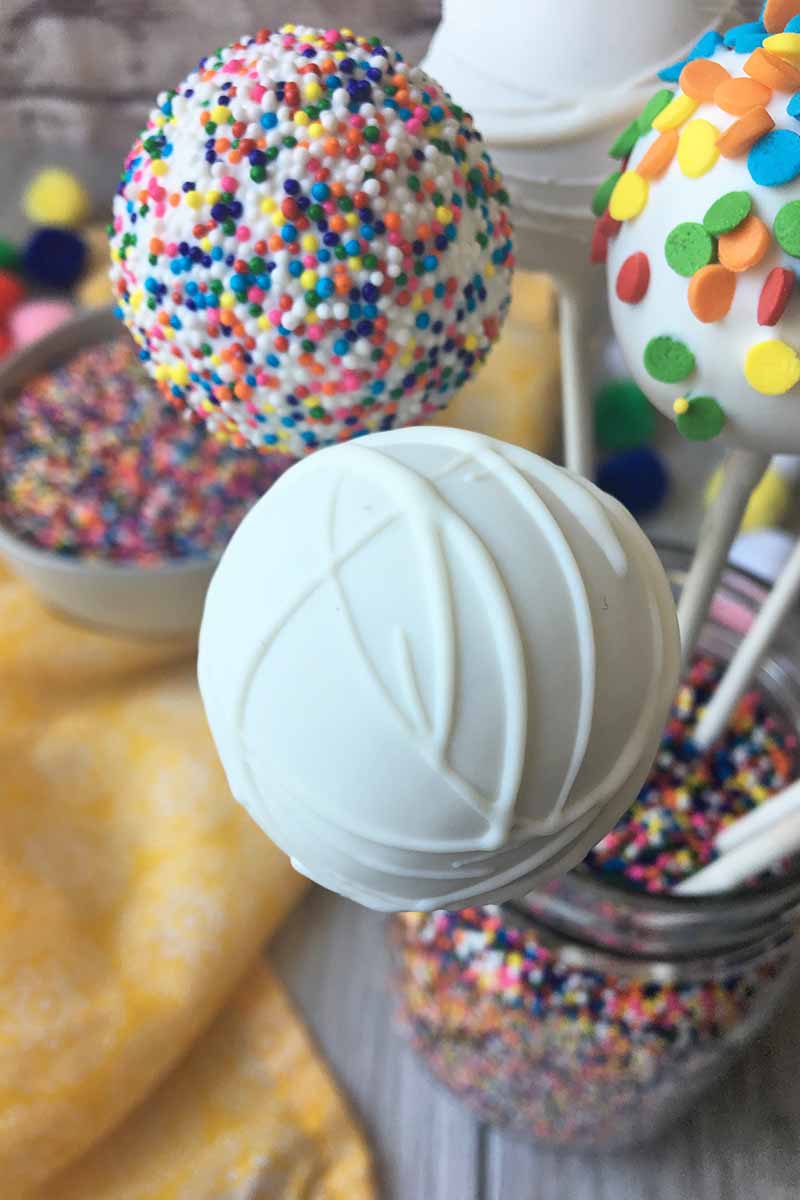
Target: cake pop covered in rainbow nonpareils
310, 241
701, 235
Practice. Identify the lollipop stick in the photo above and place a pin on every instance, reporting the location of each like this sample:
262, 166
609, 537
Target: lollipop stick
575, 375
744, 829
779, 841
746, 660
743, 469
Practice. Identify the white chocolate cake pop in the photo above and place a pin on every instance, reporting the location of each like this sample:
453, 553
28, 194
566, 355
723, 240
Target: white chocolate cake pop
702, 268
310, 241
436, 667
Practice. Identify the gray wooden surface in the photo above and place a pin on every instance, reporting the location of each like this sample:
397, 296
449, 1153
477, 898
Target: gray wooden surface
743, 1143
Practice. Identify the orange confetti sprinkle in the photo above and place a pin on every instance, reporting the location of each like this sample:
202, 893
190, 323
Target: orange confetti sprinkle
738, 96
659, 156
778, 14
701, 77
711, 292
738, 138
745, 246
772, 71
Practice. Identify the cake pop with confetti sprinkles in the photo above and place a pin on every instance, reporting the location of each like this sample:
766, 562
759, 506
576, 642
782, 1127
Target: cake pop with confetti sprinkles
310, 241
701, 235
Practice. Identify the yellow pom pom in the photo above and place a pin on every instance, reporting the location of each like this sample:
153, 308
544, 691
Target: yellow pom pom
768, 505
56, 197
772, 368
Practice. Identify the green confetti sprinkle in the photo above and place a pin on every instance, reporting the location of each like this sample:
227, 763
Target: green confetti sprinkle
626, 141
655, 105
624, 417
688, 248
727, 213
787, 228
703, 420
668, 360
602, 196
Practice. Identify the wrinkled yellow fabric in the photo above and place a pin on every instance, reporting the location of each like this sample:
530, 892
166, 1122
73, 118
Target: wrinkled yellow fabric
249, 1115
134, 893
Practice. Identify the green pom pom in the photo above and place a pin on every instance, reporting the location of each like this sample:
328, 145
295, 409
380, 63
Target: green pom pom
624, 417
702, 421
9, 256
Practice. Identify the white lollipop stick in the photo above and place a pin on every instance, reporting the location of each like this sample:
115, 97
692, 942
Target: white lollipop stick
745, 661
780, 840
784, 804
575, 382
743, 469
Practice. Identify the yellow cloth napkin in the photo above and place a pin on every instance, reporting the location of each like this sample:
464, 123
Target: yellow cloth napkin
134, 896
249, 1115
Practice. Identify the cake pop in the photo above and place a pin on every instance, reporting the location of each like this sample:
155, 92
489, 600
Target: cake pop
310, 241
549, 101
410, 658
702, 241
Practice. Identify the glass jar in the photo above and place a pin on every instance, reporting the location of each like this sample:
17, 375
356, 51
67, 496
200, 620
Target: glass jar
634, 1004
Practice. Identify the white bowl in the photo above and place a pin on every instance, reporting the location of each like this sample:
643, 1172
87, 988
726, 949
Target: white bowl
162, 601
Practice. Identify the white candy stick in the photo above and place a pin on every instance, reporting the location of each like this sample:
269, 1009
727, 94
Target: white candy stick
748, 656
743, 469
779, 840
575, 381
782, 805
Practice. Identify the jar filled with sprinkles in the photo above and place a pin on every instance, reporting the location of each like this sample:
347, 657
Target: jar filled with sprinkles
594, 1012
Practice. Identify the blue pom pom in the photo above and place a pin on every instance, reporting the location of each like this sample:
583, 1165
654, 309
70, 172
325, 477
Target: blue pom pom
637, 478
54, 257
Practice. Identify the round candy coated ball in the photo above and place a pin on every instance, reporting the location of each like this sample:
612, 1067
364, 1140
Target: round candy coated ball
637, 478
715, 342
55, 197
310, 241
12, 292
410, 657
54, 257
31, 321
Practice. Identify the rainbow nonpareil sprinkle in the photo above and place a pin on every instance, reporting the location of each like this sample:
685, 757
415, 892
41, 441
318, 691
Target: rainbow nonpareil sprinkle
310, 242
94, 465
579, 1046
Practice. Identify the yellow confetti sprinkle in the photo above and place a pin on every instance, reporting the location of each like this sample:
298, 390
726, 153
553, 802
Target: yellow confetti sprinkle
313, 90
785, 45
227, 300
352, 219
193, 199
268, 204
158, 167
301, 118
315, 130
772, 368
444, 214
470, 341
136, 298
308, 278
263, 322
681, 406
220, 114
180, 374
205, 244
676, 112
212, 197
309, 242
354, 263
629, 196
161, 372
697, 148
